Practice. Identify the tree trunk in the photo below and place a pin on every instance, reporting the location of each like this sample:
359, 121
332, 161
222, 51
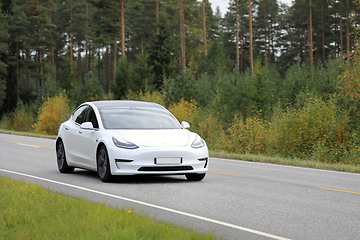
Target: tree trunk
242, 60
87, 42
17, 74
182, 38
99, 70
347, 32
107, 70
52, 47
79, 63
251, 41
39, 50
237, 34
310, 37
157, 17
323, 35
115, 55
265, 27
122, 30
341, 31
204, 27
71, 46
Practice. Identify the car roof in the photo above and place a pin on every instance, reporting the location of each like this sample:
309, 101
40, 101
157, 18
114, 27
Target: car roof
124, 103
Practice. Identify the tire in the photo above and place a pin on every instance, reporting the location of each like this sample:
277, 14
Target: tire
195, 176
103, 165
61, 159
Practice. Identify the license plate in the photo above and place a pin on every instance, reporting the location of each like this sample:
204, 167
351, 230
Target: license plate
168, 161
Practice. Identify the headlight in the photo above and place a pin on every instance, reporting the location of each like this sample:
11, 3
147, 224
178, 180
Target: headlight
198, 143
122, 143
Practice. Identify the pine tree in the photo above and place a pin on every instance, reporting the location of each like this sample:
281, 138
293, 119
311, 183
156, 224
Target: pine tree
4, 35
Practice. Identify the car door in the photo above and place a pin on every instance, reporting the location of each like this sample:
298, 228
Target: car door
87, 139
72, 138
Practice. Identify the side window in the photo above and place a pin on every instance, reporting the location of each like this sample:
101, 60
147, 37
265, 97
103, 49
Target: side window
91, 117
78, 115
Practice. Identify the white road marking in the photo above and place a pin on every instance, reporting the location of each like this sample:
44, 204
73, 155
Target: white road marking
154, 206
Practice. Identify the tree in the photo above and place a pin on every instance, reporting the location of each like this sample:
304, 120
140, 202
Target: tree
122, 80
182, 38
19, 36
251, 41
4, 35
162, 53
204, 27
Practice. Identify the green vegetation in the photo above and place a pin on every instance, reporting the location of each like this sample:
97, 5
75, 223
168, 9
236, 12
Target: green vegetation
31, 212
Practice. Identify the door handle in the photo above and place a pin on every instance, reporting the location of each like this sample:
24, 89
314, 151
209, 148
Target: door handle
66, 128
80, 132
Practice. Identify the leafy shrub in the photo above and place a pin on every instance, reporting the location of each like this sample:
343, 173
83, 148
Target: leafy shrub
148, 96
6, 122
247, 136
348, 153
210, 128
296, 132
184, 110
207, 126
21, 119
52, 113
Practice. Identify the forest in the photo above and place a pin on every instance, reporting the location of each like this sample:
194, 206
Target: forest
266, 78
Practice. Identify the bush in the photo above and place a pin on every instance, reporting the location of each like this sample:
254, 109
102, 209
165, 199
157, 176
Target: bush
52, 113
247, 137
184, 110
148, 96
21, 119
210, 128
295, 133
207, 126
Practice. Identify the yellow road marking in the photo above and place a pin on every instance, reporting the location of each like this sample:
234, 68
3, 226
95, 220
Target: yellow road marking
29, 145
227, 174
338, 190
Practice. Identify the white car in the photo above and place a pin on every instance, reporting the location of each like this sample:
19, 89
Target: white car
129, 138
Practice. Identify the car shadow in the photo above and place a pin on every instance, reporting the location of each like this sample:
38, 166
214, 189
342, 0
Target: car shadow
135, 179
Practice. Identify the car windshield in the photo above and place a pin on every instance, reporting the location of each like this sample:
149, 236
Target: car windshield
137, 118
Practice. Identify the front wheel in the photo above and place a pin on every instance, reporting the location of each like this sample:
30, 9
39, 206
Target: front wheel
61, 159
195, 176
103, 165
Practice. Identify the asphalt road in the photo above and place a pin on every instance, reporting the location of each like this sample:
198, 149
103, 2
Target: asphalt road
236, 200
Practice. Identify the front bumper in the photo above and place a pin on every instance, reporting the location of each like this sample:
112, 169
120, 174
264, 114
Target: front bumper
144, 160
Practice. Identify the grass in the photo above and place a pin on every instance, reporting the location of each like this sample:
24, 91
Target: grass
29, 211
288, 161
29, 134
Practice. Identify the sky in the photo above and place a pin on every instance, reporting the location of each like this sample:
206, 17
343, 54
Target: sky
224, 4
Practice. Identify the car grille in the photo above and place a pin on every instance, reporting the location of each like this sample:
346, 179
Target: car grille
164, 168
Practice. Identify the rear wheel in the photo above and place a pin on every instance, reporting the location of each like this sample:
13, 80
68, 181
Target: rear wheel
103, 165
195, 176
61, 159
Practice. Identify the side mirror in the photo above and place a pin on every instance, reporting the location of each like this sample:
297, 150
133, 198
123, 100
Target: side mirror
185, 124
87, 125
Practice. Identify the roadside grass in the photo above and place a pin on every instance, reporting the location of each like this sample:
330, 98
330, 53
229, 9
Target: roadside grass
288, 161
28, 134
30, 211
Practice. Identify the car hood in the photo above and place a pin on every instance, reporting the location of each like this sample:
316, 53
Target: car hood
156, 138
